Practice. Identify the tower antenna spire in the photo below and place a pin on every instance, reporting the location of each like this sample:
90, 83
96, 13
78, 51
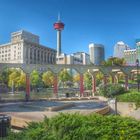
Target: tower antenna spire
58, 16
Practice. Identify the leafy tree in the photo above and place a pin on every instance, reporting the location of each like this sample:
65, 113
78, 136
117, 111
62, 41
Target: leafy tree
64, 76
35, 79
22, 80
99, 78
76, 78
111, 90
114, 61
47, 79
4, 75
88, 80
14, 78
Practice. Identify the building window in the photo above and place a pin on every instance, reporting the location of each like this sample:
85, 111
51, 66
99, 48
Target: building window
45, 57
35, 55
48, 58
38, 55
30, 54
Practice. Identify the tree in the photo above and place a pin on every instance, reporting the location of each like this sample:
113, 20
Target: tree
114, 61
64, 76
22, 80
4, 76
88, 80
48, 79
35, 79
14, 78
76, 78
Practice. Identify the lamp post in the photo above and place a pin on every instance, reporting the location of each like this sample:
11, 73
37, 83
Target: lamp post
137, 64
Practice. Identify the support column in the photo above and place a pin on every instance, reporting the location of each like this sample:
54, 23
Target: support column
81, 85
55, 88
126, 82
93, 84
27, 96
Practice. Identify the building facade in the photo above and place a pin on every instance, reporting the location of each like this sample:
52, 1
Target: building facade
96, 53
132, 54
80, 58
130, 57
119, 49
24, 47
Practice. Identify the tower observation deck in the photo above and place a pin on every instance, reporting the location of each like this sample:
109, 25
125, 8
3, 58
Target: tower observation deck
59, 26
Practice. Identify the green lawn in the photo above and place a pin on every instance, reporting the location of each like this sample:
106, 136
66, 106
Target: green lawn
130, 96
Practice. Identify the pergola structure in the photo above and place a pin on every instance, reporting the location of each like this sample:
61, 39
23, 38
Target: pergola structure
81, 69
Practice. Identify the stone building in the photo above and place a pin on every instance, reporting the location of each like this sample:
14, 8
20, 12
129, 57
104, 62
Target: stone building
25, 47
80, 58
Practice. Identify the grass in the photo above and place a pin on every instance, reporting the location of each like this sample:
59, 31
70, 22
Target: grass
130, 96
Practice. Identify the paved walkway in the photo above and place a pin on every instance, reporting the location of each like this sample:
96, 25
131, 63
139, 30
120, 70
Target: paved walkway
135, 114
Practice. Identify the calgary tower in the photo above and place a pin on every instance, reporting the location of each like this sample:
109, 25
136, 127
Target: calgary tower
59, 26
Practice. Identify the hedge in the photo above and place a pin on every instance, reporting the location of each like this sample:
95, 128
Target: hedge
81, 127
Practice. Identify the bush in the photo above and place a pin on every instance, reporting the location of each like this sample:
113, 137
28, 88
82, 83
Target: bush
81, 127
111, 90
131, 96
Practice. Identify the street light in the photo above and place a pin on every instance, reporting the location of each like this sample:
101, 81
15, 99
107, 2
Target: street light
137, 64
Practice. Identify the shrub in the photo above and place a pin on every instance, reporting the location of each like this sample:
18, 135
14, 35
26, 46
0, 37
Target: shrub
131, 96
81, 127
111, 90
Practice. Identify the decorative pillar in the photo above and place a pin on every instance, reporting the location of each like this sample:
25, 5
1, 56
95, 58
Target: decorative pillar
126, 82
81, 85
27, 86
55, 89
93, 84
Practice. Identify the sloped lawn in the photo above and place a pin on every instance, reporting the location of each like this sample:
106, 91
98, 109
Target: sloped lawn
130, 96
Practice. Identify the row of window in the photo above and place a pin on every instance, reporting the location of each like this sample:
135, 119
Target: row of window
5, 55
5, 59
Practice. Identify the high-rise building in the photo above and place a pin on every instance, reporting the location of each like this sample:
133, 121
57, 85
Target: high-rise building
119, 49
24, 47
96, 52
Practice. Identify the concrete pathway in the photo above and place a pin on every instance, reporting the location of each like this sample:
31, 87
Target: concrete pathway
135, 114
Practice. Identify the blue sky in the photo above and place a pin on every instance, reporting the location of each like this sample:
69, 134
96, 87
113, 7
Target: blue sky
86, 21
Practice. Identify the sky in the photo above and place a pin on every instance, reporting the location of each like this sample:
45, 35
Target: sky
86, 21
